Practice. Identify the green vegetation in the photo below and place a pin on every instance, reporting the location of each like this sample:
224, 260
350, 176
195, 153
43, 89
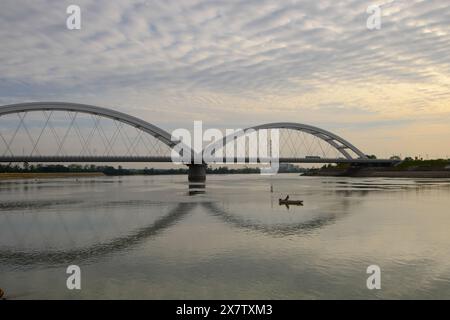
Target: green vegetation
336, 166
437, 164
112, 171
407, 164
76, 168
226, 170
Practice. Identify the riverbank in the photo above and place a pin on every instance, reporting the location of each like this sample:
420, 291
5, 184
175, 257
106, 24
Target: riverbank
408, 168
47, 175
378, 173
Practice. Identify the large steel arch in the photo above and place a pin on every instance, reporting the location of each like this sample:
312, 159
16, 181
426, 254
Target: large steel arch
156, 132
334, 140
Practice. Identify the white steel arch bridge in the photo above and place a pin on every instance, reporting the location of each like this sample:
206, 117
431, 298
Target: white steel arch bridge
70, 132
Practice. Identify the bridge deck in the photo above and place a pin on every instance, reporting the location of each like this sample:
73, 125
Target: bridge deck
150, 159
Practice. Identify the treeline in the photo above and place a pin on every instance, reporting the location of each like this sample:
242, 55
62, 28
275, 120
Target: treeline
406, 163
40, 168
113, 171
77, 168
226, 170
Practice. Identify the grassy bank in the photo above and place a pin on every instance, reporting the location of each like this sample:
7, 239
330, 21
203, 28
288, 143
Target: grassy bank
438, 164
406, 169
380, 173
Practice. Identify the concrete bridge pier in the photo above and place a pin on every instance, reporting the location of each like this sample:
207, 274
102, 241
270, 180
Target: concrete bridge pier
197, 173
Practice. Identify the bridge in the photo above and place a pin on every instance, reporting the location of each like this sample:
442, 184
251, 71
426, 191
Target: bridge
56, 132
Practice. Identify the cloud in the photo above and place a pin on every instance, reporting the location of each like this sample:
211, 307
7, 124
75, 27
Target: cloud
173, 62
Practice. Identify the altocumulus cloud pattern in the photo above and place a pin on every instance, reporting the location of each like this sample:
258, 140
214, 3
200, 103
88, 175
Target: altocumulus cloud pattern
216, 60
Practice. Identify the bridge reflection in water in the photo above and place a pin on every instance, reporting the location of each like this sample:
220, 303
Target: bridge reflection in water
196, 188
144, 237
174, 216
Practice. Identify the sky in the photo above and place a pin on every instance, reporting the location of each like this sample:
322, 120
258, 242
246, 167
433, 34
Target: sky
237, 63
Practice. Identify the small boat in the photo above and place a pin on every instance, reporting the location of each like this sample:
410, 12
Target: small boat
290, 202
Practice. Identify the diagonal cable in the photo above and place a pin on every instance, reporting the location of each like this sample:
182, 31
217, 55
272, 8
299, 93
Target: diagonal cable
42, 131
80, 136
27, 131
6, 144
104, 137
91, 134
14, 135
66, 134
55, 134
114, 138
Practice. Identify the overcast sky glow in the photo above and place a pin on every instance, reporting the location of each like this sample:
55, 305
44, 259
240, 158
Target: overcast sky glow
236, 63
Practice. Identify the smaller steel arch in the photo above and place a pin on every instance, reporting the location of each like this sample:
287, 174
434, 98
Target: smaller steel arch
334, 140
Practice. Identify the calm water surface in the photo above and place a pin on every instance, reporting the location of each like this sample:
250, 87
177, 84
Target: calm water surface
146, 237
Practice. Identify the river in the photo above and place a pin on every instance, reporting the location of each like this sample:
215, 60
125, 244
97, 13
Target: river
148, 237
